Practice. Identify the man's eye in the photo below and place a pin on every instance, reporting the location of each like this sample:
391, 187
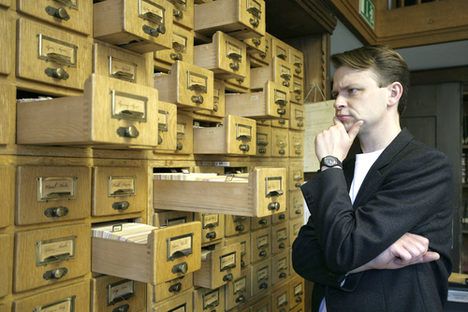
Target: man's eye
352, 91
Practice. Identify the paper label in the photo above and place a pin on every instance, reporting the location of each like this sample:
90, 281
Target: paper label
121, 186
239, 285
54, 50
243, 131
262, 241
211, 299
116, 291
147, 6
179, 244
262, 274
210, 220
273, 184
227, 261
65, 305
128, 106
55, 250
118, 67
281, 234
195, 80
56, 188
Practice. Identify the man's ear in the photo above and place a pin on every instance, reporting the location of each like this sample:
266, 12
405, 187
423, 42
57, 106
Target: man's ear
395, 92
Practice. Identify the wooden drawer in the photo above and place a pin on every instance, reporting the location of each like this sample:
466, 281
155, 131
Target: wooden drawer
167, 127
236, 136
212, 226
255, 45
7, 196
225, 56
238, 291
140, 26
187, 85
260, 223
223, 196
73, 14
6, 3
243, 19
263, 122
263, 141
115, 62
278, 71
296, 290
279, 268
294, 228
260, 244
111, 112
299, 308
207, 300
279, 238
168, 218
279, 142
111, 294
181, 48
241, 85
280, 123
297, 118
280, 49
47, 256
296, 59
244, 241
296, 204
219, 266
70, 298
6, 42
170, 252
51, 194
263, 304
260, 277
119, 190
219, 100
235, 225
171, 288
280, 217
184, 134
271, 102
181, 303
280, 299
182, 13
5, 306
295, 177
261, 58
296, 143
7, 112
297, 91
5, 263
51, 55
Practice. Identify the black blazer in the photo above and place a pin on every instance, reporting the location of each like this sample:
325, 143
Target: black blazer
408, 189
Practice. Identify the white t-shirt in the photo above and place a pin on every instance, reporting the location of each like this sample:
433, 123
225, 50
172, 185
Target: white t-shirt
361, 167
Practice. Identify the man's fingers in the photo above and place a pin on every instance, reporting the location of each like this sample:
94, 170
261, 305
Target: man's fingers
430, 256
353, 132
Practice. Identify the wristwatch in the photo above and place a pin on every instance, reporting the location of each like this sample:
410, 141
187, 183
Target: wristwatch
330, 161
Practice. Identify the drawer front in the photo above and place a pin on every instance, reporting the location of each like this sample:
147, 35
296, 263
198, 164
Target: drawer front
194, 86
278, 99
262, 305
282, 72
263, 141
47, 256
280, 268
238, 291
244, 241
261, 277
212, 226
280, 299
280, 123
253, 15
231, 54
280, 217
181, 303
7, 115
296, 59
260, 244
5, 306
297, 118
219, 100
73, 298
168, 218
296, 177
167, 126
259, 223
255, 45
182, 13
280, 139
5, 263
73, 14
7, 196
296, 143
235, 225
280, 50
296, 204
110, 294
240, 84
207, 300
279, 238
241, 135
184, 134
6, 42
271, 190
6, 3
58, 194
299, 308
296, 289
181, 46
294, 228
297, 91
118, 190
51, 55
121, 64
171, 288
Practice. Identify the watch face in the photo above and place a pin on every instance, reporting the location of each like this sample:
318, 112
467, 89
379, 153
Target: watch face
329, 162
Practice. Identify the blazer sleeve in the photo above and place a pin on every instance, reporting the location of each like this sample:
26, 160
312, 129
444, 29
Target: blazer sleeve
410, 194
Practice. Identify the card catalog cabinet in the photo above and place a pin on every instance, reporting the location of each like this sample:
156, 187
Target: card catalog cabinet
296, 204
137, 25
181, 303
235, 225
297, 90
260, 277
296, 290
51, 194
219, 100
167, 127
187, 85
170, 252
5, 264
51, 255
236, 136
296, 176
171, 288
279, 268
183, 13
168, 218
271, 102
51, 55
238, 291
111, 112
218, 267
121, 64
279, 238
212, 226
296, 59
280, 299
7, 195
278, 71
242, 18
244, 241
6, 42
112, 294
207, 300
266, 187
225, 56
181, 48
70, 14
184, 134
118, 190
263, 141
296, 120
279, 142
72, 298
260, 244
296, 143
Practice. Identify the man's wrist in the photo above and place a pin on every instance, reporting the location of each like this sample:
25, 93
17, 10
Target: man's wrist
330, 161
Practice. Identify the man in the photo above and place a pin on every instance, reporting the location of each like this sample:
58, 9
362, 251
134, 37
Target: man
379, 234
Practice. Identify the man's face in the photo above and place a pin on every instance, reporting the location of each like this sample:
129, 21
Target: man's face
358, 97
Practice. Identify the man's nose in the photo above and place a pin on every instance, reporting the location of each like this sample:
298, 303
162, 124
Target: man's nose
340, 102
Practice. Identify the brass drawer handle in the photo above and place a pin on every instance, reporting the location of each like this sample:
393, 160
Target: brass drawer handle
282, 217
234, 66
281, 246
239, 228
128, 132
286, 84
122, 308
160, 140
227, 277
254, 22
176, 56
179, 146
282, 275
281, 111
282, 56
286, 76
281, 151
240, 80
55, 274
256, 41
175, 288
180, 268
211, 235
274, 206
241, 298
197, 99
262, 253
297, 185
215, 108
244, 147
154, 31
298, 70
298, 97
58, 73
263, 286
177, 13
123, 205
60, 13
262, 55
298, 299
56, 212
281, 102
298, 211
262, 222
300, 124
262, 150
282, 121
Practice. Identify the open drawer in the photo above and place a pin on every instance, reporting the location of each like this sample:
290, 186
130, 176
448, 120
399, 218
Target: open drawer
258, 194
165, 254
